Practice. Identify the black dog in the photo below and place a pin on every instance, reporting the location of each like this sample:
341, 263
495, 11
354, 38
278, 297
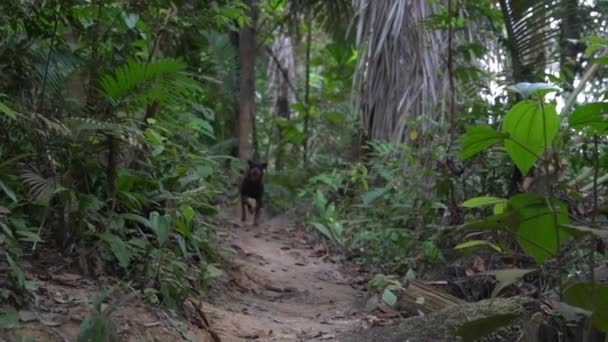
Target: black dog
252, 187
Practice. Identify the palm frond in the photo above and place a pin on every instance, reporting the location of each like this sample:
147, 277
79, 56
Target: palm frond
61, 64
533, 29
42, 189
139, 84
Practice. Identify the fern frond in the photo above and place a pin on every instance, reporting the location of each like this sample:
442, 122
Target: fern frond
139, 84
130, 134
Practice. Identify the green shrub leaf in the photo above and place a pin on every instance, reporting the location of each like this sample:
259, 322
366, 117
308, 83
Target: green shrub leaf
593, 298
478, 139
524, 124
592, 116
482, 201
389, 297
536, 229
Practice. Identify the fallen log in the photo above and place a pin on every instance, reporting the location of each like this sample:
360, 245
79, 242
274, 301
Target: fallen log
419, 298
462, 322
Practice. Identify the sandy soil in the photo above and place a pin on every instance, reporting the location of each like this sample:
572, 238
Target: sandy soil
282, 288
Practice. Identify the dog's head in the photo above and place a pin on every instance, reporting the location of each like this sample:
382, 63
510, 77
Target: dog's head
255, 171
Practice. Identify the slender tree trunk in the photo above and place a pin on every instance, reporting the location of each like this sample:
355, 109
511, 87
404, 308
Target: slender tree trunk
282, 112
234, 120
307, 91
571, 30
247, 54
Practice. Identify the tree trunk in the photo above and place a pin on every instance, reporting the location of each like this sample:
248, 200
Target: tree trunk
307, 91
247, 54
571, 30
282, 112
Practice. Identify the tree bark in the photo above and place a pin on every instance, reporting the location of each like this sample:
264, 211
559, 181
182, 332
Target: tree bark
307, 91
570, 30
247, 54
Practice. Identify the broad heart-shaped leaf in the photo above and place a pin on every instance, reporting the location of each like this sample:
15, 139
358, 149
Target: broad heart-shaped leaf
526, 89
524, 124
482, 201
593, 116
535, 225
507, 277
591, 298
478, 139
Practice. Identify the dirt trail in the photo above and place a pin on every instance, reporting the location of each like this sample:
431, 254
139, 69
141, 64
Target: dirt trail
282, 289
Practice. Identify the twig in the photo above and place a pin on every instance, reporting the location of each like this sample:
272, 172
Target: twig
571, 99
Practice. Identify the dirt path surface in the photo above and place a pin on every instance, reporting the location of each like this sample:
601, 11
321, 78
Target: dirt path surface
281, 288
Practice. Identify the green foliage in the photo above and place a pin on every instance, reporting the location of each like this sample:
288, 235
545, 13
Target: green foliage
593, 298
590, 117
539, 223
106, 144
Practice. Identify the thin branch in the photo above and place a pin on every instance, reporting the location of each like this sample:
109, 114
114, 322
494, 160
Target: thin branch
48, 58
571, 99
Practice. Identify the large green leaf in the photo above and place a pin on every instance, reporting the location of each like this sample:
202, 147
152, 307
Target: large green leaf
9, 318
592, 116
8, 111
524, 123
482, 201
538, 229
478, 139
8, 191
119, 248
593, 298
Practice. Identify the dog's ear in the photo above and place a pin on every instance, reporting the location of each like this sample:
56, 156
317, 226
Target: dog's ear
264, 165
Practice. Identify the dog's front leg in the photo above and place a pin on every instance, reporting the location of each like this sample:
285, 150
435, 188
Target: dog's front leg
258, 206
243, 210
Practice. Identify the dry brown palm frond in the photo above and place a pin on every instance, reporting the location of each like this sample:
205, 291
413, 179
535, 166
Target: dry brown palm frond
282, 70
401, 72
